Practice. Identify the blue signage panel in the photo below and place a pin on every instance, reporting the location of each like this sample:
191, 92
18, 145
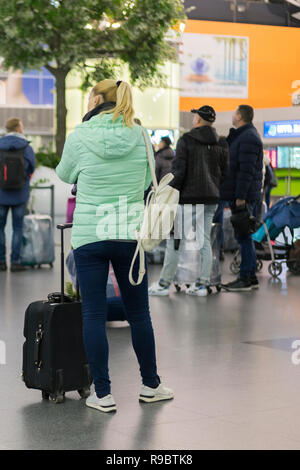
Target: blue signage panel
273, 129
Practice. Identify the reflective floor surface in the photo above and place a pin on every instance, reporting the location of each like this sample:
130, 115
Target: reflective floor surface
228, 358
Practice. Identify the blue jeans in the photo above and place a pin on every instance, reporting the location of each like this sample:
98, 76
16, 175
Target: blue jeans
247, 248
219, 217
268, 196
18, 213
92, 265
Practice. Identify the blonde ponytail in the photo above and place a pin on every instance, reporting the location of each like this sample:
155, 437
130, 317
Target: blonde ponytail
121, 94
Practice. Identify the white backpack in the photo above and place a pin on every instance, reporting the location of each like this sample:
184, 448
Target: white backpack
160, 211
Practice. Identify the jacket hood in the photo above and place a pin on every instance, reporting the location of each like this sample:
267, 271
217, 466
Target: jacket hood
204, 135
108, 139
13, 142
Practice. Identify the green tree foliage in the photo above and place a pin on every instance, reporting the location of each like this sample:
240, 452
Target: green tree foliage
63, 34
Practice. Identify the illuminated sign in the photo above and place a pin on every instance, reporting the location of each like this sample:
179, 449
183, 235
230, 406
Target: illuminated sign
274, 129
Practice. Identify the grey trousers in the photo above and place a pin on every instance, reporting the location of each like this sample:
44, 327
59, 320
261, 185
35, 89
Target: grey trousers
205, 253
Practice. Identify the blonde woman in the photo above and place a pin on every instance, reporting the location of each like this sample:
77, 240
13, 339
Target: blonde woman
106, 155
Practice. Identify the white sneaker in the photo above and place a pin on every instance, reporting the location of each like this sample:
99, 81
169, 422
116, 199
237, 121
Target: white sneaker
157, 289
105, 404
149, 395
200, 291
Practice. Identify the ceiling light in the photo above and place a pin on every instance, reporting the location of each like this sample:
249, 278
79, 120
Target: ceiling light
294, 2
296, 15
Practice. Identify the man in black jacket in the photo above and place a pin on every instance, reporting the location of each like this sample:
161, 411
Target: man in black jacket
243, 186
199, 167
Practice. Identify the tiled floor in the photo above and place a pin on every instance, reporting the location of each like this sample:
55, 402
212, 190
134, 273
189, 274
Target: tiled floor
228, 358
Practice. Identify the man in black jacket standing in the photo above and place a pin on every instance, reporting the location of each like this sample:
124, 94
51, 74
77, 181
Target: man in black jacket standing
199, 167
243, 186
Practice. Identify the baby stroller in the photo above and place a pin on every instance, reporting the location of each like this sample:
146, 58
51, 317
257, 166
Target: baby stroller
285, 214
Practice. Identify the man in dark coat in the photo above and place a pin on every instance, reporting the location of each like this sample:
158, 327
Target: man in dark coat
163, 158
243, 186
199, 167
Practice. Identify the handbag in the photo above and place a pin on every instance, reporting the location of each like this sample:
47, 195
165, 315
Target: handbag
159, 214
243, 222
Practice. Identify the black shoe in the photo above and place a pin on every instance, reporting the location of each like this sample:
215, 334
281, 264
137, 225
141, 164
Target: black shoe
17, 267
222, 255
254, 282
3, 267
239, 285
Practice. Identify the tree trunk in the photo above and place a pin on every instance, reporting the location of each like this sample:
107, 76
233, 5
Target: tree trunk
60, 75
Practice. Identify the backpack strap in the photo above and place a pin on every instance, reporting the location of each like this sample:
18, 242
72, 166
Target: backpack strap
142, 270
150, 160
139, 249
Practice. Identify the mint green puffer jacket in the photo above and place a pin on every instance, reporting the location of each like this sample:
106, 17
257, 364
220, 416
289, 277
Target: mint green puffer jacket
109, 162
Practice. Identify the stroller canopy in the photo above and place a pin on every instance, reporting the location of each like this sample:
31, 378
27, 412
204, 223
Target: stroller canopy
286, 212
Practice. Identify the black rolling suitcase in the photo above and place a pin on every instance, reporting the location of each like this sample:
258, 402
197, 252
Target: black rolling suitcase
54, 359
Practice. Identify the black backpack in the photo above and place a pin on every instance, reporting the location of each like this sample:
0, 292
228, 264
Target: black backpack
12, 169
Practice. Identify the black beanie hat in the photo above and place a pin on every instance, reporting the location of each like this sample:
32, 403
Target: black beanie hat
206, 112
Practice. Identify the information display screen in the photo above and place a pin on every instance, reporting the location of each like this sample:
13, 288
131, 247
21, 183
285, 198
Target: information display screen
157, 134
288, 157
272, 154
274, 129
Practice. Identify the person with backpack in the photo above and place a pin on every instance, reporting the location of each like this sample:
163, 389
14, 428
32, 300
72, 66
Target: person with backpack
107, 156
199, 167
17, 163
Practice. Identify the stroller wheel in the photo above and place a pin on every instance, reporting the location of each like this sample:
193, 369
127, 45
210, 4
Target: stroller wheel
259, 265
275, 269
234, 268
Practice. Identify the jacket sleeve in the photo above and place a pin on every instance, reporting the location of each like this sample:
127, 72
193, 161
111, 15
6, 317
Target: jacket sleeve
158, 168
30, 157
148, 180
247, 158
179, 165
69, 167
224, 163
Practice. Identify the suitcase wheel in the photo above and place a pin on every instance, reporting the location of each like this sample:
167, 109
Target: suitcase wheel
58, 398
45, 395
84, 392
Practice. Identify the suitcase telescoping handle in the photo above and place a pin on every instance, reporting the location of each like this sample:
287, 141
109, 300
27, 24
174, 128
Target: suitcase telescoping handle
62, 227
